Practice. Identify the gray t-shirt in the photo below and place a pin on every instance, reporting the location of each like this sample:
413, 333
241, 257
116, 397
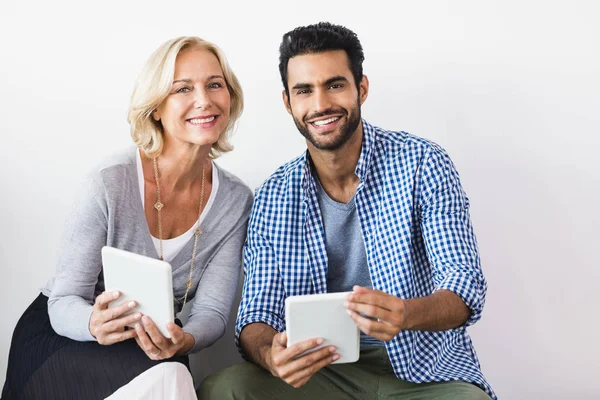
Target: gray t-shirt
108, 211
346, 256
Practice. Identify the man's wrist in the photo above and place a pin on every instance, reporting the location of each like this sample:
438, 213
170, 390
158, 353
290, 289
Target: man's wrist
439, 311
407, 322
265, 358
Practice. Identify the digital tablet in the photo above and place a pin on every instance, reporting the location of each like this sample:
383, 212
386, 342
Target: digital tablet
323, 316
146, 280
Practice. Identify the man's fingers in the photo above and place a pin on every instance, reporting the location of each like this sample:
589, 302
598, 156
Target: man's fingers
280, 339
308, 360
294, 351
311, 364
360, 289
381, 330
283, 339
294, 369
370, 311
373, 297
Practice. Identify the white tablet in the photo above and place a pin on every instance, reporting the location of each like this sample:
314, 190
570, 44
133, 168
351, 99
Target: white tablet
146, 280
323, 316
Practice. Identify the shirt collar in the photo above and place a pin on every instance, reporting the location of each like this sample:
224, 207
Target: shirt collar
364, 161
362, 167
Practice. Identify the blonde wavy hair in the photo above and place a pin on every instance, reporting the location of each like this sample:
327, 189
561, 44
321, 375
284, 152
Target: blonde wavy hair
154, 85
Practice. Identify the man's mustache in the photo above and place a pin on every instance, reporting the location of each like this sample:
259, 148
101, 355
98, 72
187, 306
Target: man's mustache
329, 111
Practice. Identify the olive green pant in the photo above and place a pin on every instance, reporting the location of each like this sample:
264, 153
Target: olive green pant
371, 377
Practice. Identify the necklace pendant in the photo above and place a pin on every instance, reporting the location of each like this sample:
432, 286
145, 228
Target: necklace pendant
197, 231
188, 284
158, 205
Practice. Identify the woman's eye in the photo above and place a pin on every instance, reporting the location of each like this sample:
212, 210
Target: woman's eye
215, 85
184, 89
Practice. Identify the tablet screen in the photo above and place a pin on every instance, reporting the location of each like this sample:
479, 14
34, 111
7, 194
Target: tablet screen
146, 280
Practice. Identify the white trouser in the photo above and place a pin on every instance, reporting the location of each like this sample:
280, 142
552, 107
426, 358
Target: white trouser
166, 381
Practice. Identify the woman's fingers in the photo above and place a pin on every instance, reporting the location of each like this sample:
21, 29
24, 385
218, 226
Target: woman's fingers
104, 299
177, 334
157, 338
103, 313
117, 325
152, 341
122, 336
146, 343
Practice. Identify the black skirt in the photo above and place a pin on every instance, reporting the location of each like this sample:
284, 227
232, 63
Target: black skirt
44, 365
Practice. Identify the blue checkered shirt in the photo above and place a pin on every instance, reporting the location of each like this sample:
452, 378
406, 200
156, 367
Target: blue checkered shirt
414, 217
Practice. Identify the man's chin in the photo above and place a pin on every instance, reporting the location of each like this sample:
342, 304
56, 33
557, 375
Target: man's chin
324, 144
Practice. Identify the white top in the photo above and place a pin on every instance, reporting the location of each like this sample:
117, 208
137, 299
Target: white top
171, 247
168, 380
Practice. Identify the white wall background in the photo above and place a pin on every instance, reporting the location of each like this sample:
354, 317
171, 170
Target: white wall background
509, 88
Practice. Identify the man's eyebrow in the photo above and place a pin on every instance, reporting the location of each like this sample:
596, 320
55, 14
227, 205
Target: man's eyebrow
302, 86
329, 81
335, 79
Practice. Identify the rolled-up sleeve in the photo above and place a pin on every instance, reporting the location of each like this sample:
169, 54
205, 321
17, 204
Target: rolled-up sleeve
448, 233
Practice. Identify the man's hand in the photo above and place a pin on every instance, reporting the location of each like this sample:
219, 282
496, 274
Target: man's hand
158, 347
385, 313
283, 362
107, 324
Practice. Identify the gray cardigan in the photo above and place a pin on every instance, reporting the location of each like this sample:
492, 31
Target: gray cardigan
108, 211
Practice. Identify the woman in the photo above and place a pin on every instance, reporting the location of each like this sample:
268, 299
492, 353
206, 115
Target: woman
165, 199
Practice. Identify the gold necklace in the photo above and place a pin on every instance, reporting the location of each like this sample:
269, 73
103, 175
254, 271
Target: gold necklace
159, 206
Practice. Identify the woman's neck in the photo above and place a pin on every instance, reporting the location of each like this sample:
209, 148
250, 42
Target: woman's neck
178, 168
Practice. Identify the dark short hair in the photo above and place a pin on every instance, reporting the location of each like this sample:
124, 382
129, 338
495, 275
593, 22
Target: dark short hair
319, 38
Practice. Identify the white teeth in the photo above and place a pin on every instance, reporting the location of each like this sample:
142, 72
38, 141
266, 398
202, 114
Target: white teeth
199, 121
326, 121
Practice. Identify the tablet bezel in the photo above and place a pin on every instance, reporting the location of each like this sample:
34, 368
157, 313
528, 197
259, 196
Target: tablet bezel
323, 316
146, 280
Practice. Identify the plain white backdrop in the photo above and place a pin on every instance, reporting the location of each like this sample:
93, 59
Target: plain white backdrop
509, 88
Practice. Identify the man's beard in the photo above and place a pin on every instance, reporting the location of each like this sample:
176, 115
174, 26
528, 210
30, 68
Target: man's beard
346, 130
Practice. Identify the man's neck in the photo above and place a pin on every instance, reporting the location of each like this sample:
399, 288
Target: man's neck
335, 169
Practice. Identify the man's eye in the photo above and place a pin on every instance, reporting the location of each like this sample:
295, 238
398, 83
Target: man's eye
302, 91
336, 86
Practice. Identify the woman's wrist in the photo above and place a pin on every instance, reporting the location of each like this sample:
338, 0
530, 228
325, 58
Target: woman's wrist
188, 343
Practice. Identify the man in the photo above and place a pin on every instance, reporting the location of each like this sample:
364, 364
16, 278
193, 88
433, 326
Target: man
376, 212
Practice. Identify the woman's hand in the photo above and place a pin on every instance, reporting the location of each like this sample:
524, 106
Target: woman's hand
107, 325
158, 347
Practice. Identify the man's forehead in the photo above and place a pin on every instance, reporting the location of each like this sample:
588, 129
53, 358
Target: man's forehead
318, 67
